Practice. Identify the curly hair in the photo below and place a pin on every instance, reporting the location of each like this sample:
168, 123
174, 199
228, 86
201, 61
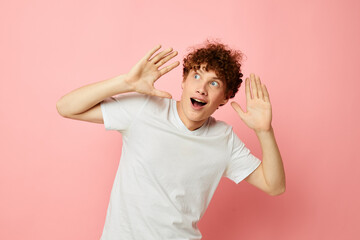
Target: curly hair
225, 62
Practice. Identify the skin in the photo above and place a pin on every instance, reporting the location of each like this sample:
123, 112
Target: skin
270, 175
203, 85
84, 104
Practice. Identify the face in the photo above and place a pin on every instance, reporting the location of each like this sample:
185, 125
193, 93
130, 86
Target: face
203, 92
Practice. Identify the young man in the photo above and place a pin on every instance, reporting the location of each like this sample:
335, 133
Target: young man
174, 153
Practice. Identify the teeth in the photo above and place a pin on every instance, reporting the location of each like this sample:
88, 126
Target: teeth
199, 100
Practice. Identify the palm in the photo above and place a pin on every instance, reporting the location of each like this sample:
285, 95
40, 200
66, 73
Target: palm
145, 73
148, 73
258, 115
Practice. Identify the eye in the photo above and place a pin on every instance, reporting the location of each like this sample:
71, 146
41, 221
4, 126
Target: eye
215, 84
197, 76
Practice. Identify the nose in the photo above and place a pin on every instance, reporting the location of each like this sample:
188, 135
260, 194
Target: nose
201, 89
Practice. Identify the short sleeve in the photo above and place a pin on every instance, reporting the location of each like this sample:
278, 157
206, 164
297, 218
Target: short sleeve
121, 110
241, 162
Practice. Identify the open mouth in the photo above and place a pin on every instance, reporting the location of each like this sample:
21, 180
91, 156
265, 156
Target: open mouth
197, 103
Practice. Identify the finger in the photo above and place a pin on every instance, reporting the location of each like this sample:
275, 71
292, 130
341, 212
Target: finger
253, 86
259, 88
162, 94
238, 109
160, 55
151, 52
247, 90
169, 68
166, 59
266, 94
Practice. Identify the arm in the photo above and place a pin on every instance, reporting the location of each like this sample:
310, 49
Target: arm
270, 175
84, 103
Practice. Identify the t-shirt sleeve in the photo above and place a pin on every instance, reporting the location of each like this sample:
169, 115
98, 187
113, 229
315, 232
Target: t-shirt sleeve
120, 111
241, 162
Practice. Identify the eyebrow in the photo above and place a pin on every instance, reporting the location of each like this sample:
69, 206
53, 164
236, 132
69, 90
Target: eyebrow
201, 71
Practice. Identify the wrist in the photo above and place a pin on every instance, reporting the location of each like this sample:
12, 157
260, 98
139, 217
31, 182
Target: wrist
123, 84
264, 131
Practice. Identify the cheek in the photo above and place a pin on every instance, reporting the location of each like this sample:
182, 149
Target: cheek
219, 95
187, 86
220, 100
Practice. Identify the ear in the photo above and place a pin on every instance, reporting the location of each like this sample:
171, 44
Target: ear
224, 101
226, 98
182, 83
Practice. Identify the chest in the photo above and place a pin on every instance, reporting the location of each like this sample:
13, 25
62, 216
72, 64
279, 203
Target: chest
166, 152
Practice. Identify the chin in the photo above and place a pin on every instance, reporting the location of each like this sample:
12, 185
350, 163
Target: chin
196, 117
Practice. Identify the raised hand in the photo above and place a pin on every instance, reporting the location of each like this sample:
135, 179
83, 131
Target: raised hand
258, 106
144, 74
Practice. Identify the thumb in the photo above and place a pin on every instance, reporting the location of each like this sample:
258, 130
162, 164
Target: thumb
238, 109
161, 94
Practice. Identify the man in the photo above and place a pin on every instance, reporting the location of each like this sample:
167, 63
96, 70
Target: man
174, 153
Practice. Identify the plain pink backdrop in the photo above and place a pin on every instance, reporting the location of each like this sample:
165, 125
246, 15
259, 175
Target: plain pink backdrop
56, 174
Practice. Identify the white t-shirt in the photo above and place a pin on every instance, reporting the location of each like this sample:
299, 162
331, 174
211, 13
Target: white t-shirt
167, 174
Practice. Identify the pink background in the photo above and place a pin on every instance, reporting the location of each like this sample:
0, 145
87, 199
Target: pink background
56, 174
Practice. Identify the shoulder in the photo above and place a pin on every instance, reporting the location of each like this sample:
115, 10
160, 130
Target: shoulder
226, 131
131, 96
218, 127
136, 99
150, 105
159, 102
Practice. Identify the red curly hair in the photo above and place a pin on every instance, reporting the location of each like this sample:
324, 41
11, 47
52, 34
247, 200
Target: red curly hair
225, 62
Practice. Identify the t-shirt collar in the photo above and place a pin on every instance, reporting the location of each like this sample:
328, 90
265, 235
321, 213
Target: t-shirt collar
182, 126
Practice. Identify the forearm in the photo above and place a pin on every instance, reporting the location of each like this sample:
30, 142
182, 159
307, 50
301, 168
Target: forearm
84, 98
272, 163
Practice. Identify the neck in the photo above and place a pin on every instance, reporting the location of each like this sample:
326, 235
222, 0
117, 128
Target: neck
191, 125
